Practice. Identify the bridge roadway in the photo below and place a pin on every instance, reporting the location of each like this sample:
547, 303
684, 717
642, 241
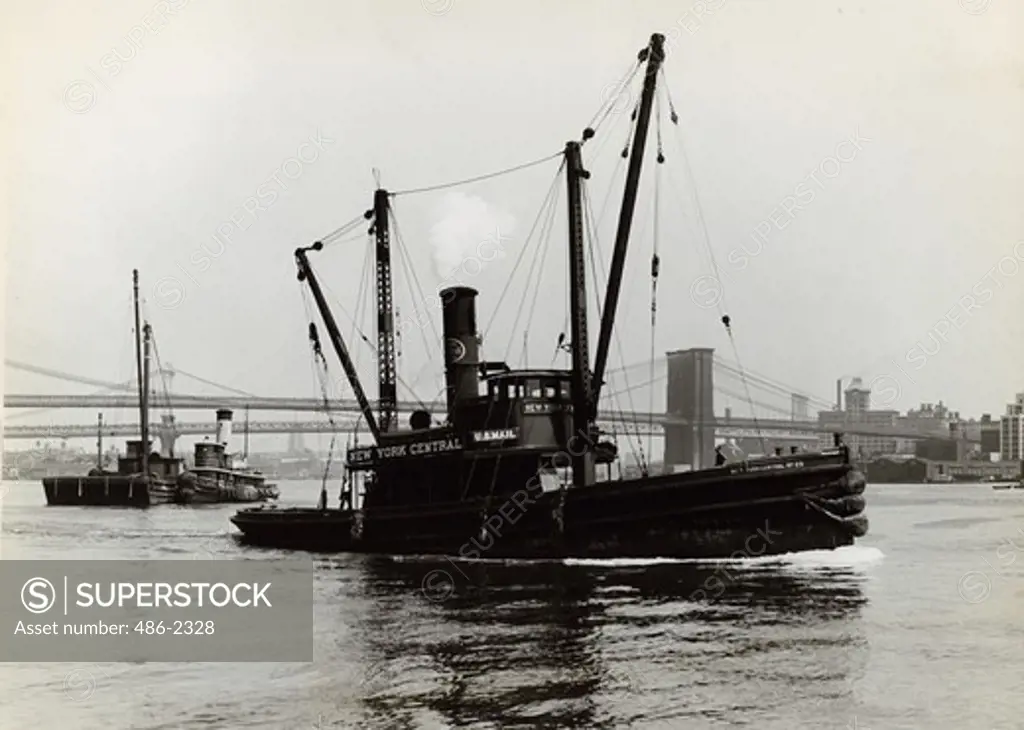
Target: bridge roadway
779, 428
185, 402
638, 424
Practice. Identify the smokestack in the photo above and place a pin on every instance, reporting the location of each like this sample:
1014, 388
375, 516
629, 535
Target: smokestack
839, 394
223, 426
461, 346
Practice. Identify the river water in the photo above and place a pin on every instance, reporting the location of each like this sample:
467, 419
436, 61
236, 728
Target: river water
918, 626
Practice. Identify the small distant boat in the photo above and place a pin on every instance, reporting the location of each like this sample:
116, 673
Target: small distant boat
129, 486
220, 477
1005, 486
143, 478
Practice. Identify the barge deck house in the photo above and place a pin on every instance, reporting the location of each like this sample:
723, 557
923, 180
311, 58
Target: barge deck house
513, 471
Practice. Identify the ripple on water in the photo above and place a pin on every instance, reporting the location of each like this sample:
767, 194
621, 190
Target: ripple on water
806, 640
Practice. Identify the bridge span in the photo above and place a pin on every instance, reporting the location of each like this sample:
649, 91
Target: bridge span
632, 423
690, 427
205, 402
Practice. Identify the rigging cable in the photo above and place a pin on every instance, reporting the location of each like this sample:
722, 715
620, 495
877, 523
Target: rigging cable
655, 264
322, 372
630, 131
726, 320
373, 349
595, 244
522, 251
588, 215
364, 284
163, 379
348, 239
595, 225
544, 243
622, 86
478, 178
336, 235
321, 375
406, 261
156, 355
547, 213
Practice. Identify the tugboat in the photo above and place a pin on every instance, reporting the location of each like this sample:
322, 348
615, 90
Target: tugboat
143, 477
219, 476
512, 470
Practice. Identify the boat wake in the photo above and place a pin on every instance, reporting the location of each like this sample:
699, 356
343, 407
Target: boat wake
851, 556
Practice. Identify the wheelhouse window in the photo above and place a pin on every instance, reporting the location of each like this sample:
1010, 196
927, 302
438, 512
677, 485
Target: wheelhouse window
539, 389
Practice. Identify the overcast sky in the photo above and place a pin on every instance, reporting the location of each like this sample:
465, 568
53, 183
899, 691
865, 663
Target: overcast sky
141, 130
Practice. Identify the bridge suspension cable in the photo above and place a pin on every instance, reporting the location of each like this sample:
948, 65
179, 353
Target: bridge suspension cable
225, 388
725, 367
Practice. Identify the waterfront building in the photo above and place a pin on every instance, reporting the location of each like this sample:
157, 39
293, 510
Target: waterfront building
1011, 431
857, 411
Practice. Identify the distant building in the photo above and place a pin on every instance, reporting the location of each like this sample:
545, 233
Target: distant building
929, 419
941, 450
861, 445
990, 440
1011, 431
932, 417
858, 398
937, 419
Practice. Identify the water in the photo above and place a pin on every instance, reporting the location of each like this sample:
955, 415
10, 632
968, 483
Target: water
919, 626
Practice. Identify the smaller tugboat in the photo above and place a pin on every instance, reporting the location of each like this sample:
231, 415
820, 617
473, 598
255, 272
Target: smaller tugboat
143, 478
222, 477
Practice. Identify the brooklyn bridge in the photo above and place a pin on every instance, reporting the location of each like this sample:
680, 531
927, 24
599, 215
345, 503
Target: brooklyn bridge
690, 419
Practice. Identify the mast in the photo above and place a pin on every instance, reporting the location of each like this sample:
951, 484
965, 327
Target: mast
99, 441
245, 442
143, 411
582, 463
306, 274
386, 370
144, 405
654, 54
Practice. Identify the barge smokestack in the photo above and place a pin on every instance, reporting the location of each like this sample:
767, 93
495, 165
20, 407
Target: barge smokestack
223, 426
461, 346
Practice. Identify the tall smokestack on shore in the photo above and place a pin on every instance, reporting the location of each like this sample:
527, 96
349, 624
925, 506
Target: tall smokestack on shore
461, 346
223, 426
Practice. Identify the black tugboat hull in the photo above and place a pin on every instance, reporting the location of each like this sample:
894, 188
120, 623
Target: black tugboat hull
218, 486
752, 511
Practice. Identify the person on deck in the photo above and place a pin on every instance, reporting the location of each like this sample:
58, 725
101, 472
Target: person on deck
719, 456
